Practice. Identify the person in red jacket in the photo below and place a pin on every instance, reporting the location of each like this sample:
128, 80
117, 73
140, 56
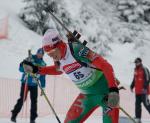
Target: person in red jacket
90, 72
141, 84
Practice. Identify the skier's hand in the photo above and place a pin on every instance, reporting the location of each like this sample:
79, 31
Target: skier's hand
113, 99
29, 67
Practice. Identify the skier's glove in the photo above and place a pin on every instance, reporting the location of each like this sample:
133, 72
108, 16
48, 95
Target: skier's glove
113, 98
29, 67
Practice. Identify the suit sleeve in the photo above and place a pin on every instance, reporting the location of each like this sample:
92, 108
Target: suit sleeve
107, 69
50, 70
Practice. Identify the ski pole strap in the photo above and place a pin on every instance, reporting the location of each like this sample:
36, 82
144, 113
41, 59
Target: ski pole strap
129, 116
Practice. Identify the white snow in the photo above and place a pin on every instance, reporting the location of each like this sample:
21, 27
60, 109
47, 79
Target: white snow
52, 119
20, 39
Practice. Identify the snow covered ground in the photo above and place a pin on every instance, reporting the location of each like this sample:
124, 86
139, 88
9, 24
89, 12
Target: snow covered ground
52, 119
20, 39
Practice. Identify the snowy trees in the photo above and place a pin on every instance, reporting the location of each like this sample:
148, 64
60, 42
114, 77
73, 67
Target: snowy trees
33, 16
84, 20
64, 16
134, 10
98, 34
97, 20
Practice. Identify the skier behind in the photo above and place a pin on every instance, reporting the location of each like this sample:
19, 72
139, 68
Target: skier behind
140, 82
90, 72
28, 83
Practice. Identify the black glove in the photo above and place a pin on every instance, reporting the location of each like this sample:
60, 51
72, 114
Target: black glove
29, 67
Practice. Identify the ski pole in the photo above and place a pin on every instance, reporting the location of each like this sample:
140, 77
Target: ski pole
50, 11
25, 94
129, 116
47, 100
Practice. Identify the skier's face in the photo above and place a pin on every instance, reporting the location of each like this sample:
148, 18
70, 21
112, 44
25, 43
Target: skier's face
55, 54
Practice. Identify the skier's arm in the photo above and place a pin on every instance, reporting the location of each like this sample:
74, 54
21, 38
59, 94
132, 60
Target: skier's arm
100, 63
106, 68
51, 70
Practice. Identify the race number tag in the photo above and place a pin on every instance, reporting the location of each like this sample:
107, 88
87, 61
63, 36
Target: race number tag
80, 73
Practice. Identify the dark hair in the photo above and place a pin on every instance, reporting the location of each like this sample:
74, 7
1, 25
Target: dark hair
138, 59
